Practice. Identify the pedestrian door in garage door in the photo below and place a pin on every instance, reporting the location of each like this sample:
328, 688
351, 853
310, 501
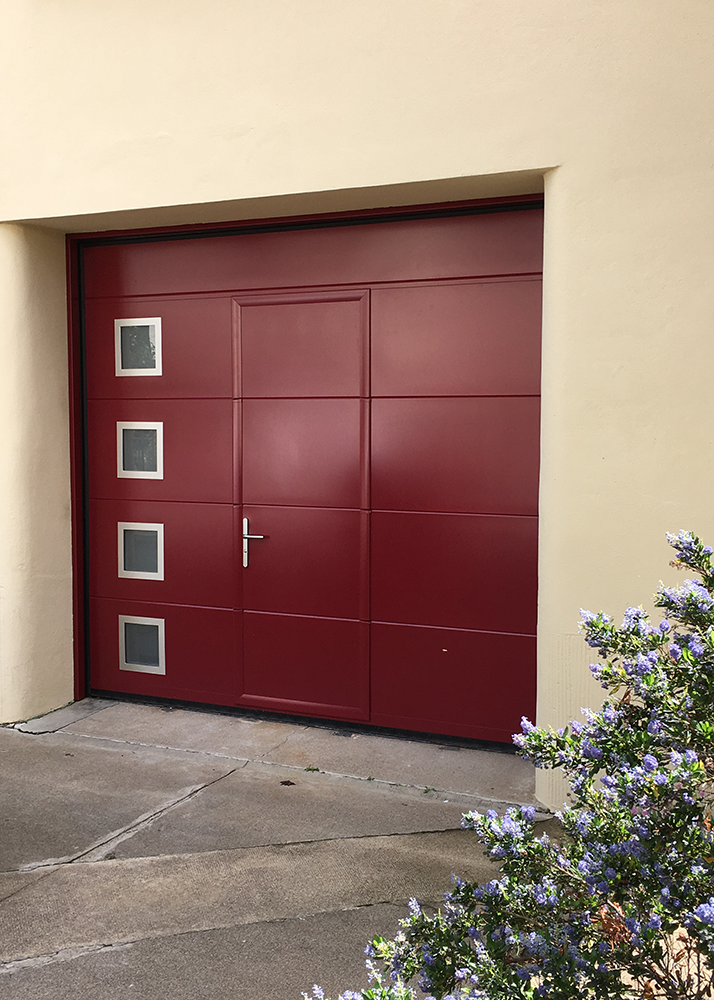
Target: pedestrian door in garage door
312, 469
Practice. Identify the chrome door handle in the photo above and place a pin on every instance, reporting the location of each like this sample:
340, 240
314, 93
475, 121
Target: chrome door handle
246, 537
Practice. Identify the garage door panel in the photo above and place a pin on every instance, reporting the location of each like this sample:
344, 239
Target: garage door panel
302, 452
305, 665
305, 347
191, 544
482, 244
365, 396
197, 450
451, 681
196, 349
309, 563
470, 455
457, 339
455, 570
202, 647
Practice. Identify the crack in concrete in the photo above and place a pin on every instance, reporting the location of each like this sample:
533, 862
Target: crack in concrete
99, 849
27, 885
277, 746
156, 746
63, 955
80, 951
214, 923
470, 797
475, 797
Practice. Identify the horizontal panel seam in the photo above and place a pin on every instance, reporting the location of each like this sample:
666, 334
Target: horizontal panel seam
375, 285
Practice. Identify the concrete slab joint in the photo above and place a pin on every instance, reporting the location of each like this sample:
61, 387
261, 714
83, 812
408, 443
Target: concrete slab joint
161, 833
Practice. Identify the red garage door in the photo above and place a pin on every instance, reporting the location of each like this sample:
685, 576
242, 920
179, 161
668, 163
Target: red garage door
313, 469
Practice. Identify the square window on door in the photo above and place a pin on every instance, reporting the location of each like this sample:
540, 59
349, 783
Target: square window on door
137, 346
140, 450
142, 645
141, 550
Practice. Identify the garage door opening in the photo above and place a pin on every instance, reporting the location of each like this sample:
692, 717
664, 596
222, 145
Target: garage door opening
311, 467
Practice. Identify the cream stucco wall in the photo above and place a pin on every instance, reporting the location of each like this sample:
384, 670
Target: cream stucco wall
35, 564
163, 112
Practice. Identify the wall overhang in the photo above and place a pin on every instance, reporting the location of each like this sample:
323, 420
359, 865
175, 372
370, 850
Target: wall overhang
447, 189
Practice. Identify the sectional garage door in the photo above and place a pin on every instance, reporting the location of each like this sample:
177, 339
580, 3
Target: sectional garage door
312, 469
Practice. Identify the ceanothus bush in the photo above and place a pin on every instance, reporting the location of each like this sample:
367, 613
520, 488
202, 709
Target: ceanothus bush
621, 903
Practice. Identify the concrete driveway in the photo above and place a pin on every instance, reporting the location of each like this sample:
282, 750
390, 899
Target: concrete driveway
151, 852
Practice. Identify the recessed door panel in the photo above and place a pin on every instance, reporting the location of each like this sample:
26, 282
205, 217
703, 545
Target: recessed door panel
303, 347
456, 570
302, 452
477, 455
480, 338
202, 646
451, 681
199, 559
308, 563
197, 449
196, 349
310, 666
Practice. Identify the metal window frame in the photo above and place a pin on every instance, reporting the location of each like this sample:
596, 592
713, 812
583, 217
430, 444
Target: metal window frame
156, 527
120, 372
140, 425
141, 668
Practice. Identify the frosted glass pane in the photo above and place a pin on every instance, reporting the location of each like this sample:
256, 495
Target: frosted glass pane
139, 450
141, 551
141, 644
138, 347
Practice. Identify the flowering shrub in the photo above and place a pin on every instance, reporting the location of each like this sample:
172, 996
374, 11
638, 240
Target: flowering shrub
621, 905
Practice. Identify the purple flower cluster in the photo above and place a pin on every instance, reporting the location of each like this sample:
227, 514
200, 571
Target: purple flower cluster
632, 619
692, 596
705, 911
688, 548
569, 915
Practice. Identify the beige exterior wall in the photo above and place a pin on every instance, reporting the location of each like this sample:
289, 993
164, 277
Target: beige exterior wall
35, 564
152, 112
